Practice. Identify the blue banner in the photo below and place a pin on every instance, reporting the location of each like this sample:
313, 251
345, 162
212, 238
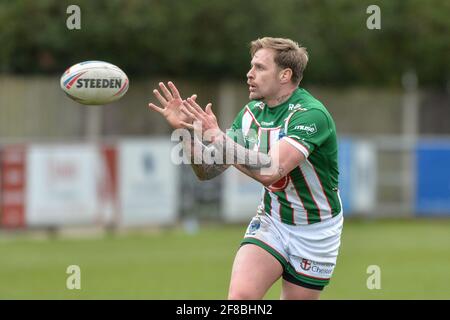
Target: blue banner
433, 178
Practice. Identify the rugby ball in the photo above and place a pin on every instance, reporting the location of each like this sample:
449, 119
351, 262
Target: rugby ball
94, 82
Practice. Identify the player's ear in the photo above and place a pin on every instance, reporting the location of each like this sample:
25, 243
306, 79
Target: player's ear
286, 75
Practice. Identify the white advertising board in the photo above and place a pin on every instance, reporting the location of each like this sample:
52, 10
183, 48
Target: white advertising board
364, 177
62, 185
241, 196
148, 183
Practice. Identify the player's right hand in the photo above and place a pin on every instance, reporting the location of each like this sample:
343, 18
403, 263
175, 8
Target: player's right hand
171, 104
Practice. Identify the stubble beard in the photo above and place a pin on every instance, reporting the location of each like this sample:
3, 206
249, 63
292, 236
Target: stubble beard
255, 96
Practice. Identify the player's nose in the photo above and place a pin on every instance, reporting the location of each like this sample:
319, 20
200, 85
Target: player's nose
250, 74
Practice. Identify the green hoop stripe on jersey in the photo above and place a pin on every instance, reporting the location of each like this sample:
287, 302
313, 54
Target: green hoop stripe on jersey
326, 199
304, 193
286, 211
263, 140
287, 267
330, 194
311, 195
267, 202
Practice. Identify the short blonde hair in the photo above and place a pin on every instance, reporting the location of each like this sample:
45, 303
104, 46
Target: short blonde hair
289, 54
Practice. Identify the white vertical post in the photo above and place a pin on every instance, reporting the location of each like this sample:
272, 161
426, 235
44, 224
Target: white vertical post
410, 131
227, 104
364, 177
93, 129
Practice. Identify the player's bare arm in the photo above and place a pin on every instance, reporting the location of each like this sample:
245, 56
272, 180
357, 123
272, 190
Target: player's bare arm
281, 159
171, 104
202, 170
284, 158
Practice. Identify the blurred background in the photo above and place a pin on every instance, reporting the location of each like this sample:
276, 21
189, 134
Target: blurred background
95, 186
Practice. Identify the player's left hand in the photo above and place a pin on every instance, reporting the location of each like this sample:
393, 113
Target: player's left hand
204, 119
171, 103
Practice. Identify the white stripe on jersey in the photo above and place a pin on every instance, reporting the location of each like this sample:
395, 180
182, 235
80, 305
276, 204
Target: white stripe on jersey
286, 123
297, 145
300, 216
275, 205
292, 196
247, 120
316, 188
257, 145
252, 115
340, 201
273, 135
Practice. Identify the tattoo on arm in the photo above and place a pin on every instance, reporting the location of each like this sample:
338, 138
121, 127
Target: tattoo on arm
202, 170
281, 172
208, 171
233, 153
226, 152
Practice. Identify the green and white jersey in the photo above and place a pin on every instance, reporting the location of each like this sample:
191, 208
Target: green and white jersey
309, 193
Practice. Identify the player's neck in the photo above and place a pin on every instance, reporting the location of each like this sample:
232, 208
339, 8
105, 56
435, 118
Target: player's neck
280, 98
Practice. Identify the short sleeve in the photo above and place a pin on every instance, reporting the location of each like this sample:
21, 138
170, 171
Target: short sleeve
307, 130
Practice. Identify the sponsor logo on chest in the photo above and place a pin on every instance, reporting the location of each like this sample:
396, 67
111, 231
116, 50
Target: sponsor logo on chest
264, 123
293, 107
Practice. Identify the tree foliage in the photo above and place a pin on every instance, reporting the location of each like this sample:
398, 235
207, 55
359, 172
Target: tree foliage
209, 39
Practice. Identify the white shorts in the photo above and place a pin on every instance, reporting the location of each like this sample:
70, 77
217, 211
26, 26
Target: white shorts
307, 253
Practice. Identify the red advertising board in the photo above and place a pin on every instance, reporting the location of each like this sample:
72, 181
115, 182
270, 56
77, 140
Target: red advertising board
12, 186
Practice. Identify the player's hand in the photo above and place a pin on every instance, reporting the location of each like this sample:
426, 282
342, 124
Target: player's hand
171, 103
202, 119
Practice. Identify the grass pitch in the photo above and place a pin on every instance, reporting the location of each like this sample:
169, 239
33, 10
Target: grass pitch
414, 257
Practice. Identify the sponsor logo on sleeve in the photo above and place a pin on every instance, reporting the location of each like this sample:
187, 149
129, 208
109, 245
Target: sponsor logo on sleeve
309, 129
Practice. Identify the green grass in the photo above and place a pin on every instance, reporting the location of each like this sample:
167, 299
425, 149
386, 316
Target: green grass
414, 257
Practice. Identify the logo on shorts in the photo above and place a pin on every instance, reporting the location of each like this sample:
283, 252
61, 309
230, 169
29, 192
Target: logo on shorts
305, 264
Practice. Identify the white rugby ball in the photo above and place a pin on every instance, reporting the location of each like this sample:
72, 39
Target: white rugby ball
94, 82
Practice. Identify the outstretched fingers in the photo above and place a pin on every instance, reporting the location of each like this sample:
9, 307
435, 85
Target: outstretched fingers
187, 125
174, 90
155, 108
165, 91
187, 112
160, 98
188, 106
195, 105
208, 109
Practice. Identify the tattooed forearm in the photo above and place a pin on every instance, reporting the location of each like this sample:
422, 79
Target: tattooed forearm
208, 171
202, 170
210, 161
